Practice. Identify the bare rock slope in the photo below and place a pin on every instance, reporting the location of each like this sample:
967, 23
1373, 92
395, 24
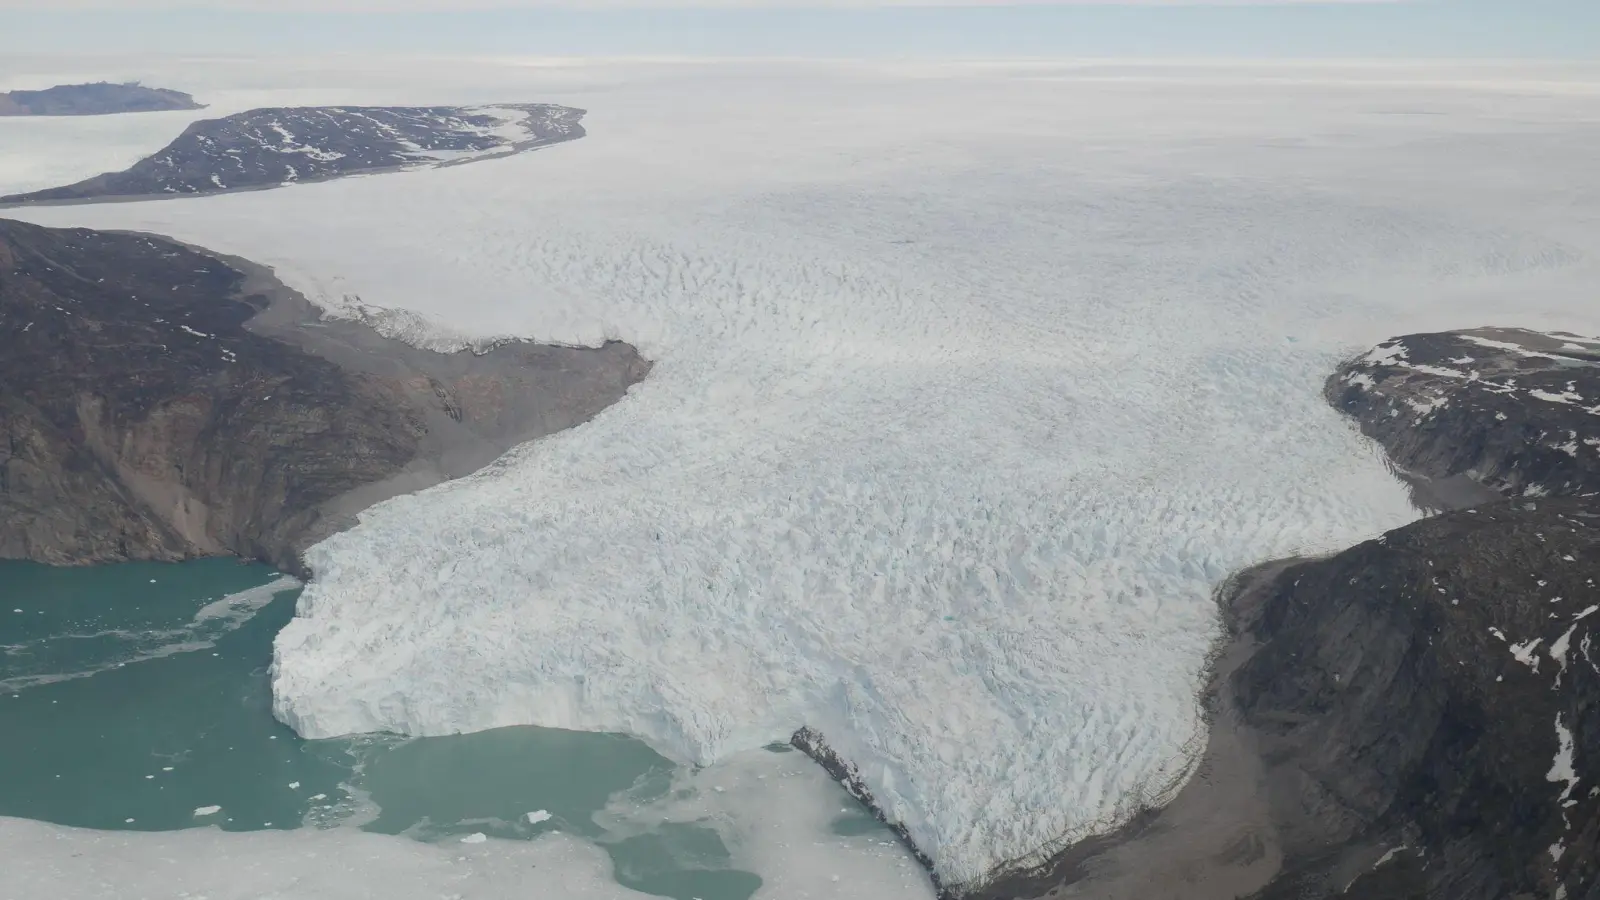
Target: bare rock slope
161, 402
265, 148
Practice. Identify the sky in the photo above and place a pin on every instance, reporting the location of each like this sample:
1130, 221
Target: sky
1537, 29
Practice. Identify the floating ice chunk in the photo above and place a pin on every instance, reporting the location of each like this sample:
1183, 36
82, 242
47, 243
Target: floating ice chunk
207, 810
537, 816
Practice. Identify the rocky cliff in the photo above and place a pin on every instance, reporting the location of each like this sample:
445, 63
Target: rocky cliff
161, 402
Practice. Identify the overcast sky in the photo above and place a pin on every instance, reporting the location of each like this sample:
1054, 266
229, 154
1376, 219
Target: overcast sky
1253, 28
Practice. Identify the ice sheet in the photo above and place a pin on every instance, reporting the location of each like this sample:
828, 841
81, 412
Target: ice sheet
971, 384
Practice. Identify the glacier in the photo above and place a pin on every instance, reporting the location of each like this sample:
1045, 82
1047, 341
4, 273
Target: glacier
968, 393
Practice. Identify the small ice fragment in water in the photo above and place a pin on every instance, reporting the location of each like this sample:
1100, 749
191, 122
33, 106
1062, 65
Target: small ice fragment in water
319, 796
294, 785
166, 768
128, 821
538, 816
477, 837
207, 810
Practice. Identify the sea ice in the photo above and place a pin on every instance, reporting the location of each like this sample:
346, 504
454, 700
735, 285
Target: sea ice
955, 423
339, 864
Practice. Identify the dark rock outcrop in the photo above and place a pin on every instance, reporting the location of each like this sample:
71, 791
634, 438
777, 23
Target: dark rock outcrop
1434, 696
100, 98
271, 147
160, 402
1516, 412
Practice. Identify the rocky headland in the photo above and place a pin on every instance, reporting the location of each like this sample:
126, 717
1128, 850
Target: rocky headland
1417, 716
97, 99
265, 148
161, 402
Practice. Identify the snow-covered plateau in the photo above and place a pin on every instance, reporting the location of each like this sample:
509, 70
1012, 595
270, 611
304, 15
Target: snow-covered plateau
972, 382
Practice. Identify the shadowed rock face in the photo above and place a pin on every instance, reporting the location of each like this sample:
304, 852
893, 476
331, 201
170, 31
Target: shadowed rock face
159, 402
271, 147
1428, 693
92, 100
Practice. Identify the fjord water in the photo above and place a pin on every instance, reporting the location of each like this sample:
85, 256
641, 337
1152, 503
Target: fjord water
134, 696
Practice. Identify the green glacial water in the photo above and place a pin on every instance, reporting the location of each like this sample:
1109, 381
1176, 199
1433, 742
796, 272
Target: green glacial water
137, 697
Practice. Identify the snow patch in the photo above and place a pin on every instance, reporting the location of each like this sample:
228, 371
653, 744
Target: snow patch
1561, 770
1567, 396
1523, 653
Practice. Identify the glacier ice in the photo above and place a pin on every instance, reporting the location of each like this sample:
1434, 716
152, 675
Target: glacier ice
968, 391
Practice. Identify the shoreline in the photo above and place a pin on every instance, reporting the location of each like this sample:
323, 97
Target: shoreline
477, 405
283, 441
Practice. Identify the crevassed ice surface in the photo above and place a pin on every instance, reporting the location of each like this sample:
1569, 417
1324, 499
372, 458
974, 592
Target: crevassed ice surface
971, 385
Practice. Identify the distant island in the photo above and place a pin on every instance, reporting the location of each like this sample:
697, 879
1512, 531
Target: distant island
98, 99
267, 148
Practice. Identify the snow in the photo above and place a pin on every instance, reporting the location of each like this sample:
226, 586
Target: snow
1388, 353
1388, 855
1558, 650
1523, 653
1567, 396
955, 422
1561, 770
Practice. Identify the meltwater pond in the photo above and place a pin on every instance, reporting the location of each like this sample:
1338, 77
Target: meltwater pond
136, 697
